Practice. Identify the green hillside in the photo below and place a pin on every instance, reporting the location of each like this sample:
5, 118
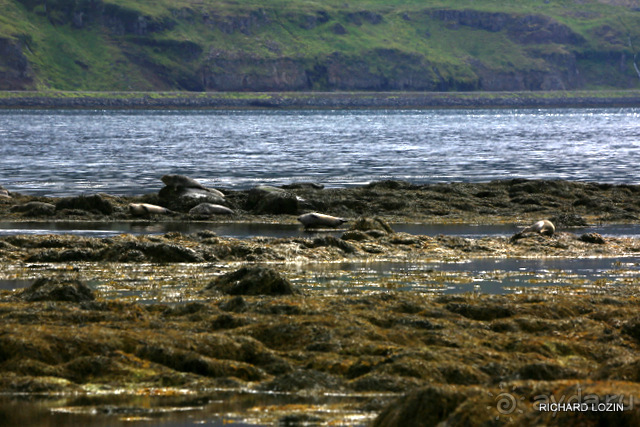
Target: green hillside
278, 45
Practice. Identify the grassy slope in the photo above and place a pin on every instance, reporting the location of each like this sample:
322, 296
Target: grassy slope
94, 58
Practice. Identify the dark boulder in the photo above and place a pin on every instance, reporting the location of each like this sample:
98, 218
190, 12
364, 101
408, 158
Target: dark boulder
271, 200
94, 203
54, 289
35, 209
253, 281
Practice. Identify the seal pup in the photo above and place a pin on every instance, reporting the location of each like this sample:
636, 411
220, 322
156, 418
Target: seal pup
316, 220
543, 227
146, 209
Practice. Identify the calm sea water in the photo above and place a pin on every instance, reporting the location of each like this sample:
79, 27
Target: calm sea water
126, 152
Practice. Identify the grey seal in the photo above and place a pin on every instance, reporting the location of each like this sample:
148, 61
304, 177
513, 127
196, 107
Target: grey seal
315, 220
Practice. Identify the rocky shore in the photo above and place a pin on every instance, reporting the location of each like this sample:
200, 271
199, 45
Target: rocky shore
322, 100
203, 312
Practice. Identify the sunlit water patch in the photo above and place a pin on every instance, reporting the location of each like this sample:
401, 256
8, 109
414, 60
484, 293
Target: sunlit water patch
71, 152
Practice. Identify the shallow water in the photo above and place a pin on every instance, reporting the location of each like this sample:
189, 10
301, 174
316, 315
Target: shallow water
174, 409
248, 230
70, 152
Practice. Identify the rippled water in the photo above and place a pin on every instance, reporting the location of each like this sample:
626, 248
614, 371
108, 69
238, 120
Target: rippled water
125, 152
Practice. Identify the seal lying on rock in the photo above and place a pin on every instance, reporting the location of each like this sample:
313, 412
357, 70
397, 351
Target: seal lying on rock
145, 209
208, 209
544, 227
180, 181
316, 220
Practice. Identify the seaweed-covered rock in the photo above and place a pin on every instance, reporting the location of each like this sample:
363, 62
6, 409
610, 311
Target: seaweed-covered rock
368, 225
94, 203
426, 407
35, 208
253, 281
593, 238
265, 199
54, 289
335, 242
302, 380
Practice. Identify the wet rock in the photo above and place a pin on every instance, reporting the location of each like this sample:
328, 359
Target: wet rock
565, 220
153, 252
355, 235
209, 209
593, 238
253, 281
371, 224
94, 204
335, 242
426, 407
271, 200
35, 208
54, 289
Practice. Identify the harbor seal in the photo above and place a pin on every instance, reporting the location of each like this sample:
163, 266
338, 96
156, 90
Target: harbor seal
146, 209
543, 227
208, 209
316, 220
176, 182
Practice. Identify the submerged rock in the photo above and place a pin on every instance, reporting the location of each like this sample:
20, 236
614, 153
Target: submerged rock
54, 289
253, 281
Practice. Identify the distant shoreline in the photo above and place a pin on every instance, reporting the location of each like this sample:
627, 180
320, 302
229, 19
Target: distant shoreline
318, 100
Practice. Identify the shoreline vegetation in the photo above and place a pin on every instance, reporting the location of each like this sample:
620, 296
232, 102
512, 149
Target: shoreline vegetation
318, 100
160, 315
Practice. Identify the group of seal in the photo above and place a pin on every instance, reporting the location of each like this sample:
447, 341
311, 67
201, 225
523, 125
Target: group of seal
182, 186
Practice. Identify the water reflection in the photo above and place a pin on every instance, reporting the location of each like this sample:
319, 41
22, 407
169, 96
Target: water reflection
216, 409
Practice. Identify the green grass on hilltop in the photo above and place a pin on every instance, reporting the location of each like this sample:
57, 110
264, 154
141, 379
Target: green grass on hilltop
183, 38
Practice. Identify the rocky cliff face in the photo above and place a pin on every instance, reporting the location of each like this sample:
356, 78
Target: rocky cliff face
15, 71
266, 49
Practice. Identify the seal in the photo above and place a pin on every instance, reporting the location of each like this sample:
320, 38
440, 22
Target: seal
146, 209
316, 220
177, 182
208, 209
543, 227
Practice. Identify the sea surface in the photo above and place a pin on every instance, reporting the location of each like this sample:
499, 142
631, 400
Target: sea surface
72, 152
